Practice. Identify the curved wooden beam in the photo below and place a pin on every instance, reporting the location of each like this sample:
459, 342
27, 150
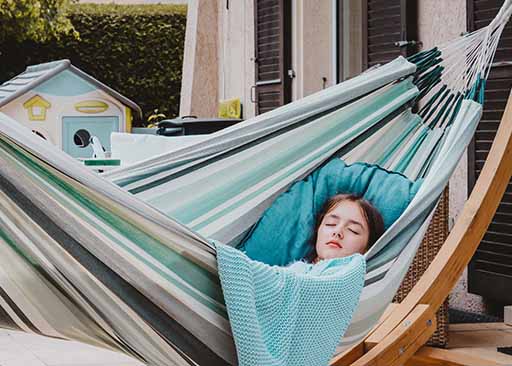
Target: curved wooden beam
403, 342
455, 254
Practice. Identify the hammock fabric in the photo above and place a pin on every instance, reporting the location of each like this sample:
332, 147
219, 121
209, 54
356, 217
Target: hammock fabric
85, 260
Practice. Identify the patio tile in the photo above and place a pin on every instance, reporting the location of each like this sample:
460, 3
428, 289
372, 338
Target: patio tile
21, 349
21, 359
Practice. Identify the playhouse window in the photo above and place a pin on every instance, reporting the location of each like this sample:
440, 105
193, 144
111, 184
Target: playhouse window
37, 111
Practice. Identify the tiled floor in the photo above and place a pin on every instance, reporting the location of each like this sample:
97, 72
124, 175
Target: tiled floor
20, 349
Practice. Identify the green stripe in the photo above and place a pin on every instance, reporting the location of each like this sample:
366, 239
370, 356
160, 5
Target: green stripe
102, 162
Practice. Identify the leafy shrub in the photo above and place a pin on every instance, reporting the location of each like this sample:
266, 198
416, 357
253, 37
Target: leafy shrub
34, 19
135, 49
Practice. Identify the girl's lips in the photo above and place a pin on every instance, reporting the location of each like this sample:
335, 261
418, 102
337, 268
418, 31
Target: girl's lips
334, 244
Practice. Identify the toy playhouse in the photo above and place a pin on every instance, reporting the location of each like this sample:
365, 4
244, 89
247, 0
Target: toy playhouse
66, 106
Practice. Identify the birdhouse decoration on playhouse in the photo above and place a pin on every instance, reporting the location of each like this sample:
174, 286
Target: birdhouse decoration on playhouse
66, 106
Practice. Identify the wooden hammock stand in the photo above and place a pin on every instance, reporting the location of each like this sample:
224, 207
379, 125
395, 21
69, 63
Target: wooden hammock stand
400, 336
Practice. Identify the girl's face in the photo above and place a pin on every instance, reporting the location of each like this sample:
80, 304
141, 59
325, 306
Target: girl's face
343, 231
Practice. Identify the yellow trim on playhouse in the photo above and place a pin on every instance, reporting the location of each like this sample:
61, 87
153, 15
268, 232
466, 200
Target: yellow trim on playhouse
36, 107
91, 106
128, 119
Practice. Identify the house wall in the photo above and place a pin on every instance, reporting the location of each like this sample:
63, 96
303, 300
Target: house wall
200, 78
311, 50
352, 38
311, 46
236, 67
233, 56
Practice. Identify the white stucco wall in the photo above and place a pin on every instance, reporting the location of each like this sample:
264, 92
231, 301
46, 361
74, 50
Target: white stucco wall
200, 77
353, 38
236, 66
311, 46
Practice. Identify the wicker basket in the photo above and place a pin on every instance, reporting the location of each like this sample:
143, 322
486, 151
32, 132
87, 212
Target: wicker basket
432, 242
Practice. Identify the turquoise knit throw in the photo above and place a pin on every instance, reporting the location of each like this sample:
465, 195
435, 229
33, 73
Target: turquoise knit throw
293, 315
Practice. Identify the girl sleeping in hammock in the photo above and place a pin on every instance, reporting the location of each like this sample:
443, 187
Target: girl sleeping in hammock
347, 224
301, 303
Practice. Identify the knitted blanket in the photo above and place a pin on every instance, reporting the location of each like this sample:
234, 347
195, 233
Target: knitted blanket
293, 315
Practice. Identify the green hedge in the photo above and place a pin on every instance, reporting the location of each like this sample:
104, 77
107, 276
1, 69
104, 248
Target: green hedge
135, 49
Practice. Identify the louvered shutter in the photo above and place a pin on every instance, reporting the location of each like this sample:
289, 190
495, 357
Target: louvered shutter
490, 270
387, 26
273, 56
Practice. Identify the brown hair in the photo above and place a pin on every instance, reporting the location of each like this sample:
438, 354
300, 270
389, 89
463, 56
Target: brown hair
371, 214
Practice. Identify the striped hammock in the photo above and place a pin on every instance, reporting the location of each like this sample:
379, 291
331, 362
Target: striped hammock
84, 259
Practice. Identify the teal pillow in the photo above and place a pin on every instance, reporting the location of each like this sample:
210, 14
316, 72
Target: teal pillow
282, 234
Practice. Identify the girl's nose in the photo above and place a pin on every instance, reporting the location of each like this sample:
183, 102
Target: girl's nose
337, 234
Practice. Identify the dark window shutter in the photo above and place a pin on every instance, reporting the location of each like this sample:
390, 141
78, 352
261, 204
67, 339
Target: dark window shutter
387, 23
490, 270
273, 56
